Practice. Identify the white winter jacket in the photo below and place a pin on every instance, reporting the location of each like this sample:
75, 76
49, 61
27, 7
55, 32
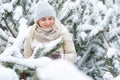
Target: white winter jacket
67, 50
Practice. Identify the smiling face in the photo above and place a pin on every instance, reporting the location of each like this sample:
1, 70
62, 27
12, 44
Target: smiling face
46, 22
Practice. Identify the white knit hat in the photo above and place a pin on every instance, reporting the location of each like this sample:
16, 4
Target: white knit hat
44, 9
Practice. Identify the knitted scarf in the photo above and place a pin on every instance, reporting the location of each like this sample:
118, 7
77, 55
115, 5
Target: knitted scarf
46, 35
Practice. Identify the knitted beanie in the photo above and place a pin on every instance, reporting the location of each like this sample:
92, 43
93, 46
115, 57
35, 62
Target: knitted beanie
44, 9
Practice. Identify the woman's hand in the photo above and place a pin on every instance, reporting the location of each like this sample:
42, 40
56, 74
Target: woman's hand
56, 55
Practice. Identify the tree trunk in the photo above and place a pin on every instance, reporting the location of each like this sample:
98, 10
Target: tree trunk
23, 76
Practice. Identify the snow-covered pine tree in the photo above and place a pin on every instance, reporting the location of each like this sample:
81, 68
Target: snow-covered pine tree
112, 57
3, 40
14, 14
82, 19
91, 22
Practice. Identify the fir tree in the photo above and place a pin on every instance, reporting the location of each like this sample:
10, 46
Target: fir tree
94, 25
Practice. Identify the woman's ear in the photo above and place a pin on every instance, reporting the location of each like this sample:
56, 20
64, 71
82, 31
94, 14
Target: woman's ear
38, 23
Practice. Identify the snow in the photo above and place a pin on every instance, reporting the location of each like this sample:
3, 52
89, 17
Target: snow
107, 17
117, 78
18, 42
51, 45
95, 31
6, 7
31, 63
100, 7
111, 52
85, 27
41, 65
18, 12
7, 74
117, 3
62, 70
83, 35
12, 51
3, 34
114, 32
108, 76
14, 2
46, 68
45, 47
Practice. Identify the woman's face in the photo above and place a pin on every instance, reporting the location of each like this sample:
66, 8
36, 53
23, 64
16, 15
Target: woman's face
46, 22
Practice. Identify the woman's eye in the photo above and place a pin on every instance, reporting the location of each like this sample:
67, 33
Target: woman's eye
50, 18
43, 19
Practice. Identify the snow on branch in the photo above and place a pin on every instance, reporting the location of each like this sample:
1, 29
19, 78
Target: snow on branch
14, 50
30, 63
47, 49
3, 34
46, 68
7, 74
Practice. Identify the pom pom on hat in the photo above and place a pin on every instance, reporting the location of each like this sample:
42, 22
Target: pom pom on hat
44, 9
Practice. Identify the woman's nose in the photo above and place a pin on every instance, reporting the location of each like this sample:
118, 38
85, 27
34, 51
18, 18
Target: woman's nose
47, 21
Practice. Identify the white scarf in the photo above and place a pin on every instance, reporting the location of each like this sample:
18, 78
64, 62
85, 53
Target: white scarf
47, 34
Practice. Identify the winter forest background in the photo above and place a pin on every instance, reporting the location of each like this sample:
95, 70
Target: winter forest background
95, 28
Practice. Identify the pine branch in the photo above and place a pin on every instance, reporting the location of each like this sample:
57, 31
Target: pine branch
17, 64
54, 49
38, 53
106, 39
8, 27
43, 52
85, 57
110, 65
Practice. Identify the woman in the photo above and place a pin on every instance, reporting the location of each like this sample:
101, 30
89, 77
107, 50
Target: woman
47, 29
